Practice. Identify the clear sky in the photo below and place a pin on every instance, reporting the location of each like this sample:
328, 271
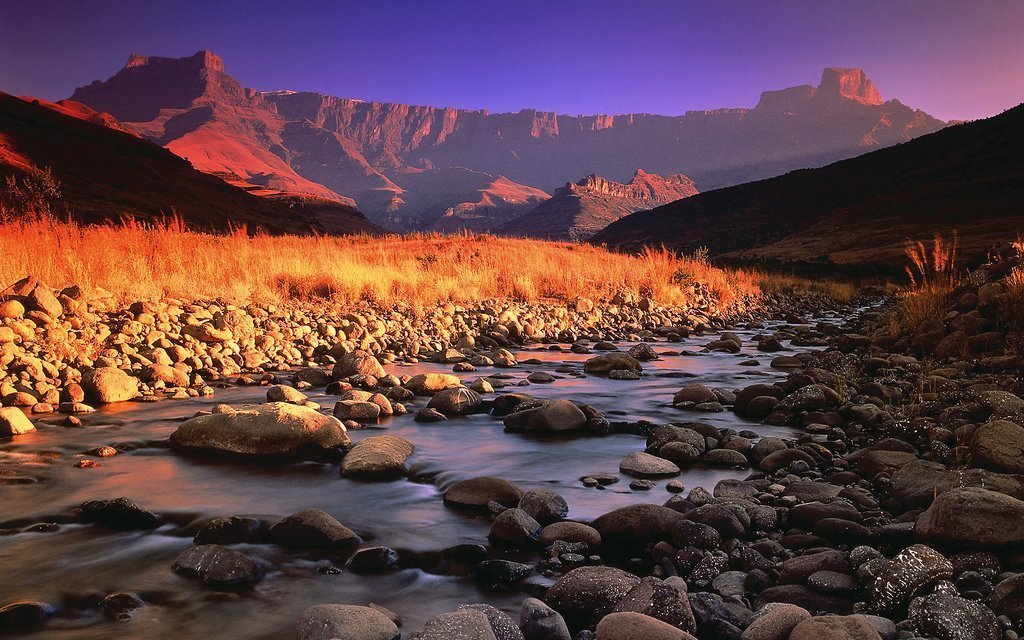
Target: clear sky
954, 59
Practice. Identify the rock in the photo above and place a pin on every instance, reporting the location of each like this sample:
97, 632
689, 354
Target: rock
636, 626
356, 410
430, 383
775, 622
660, 600
834, 628
373, 560
731, 521
218, 566
207, 333
950, 617
608, 362
911, 572
119, 513
999, 446
105, 385
693, 394
571, 532
544, 506
231, 530
538, 621
875, 462
557, 415
515, 526
502, 625
972, 518
345, 622
13, 422
455, 402
464, 624
273, 429
25, 614
1008, 597
377, 457
636, 524
311, 528
917, 484
357, 363
805, 597
283, 393
427, 415
586, 594
501, 572
724, 458
477, 492
643, 465
121, 606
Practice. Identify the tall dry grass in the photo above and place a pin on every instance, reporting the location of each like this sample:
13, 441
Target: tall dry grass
933, 274
136, 261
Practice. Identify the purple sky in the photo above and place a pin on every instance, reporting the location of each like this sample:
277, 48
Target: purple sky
954, 59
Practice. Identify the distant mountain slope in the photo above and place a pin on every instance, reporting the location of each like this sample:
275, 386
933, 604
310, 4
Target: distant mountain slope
580, 209
373, 153
969, 177
105, 173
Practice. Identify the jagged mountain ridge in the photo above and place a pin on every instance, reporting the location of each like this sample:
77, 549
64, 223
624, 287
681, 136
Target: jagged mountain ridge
861, 211
305, 142
580, 209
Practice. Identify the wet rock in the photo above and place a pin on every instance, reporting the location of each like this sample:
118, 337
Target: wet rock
121, 607
636, 626
218, 566
950, 617
642, 465
538, 621
910, 573
724, 458
464, 624
635, 524
373, 560
557, 415
571, 532
502, 625
585, 595
515, 526
477, 492
731, 521
616, 361
501, 572
345, 622
1007, 598
18, 615
775, 622
642, 352
13, 422
455, 402
231, 530
834, 627
917, 484
693, 394
312, 528
273, 429
972, 518
427, 415
805, 597
377, 457
544, 506
119, 513
660, 600
359, 411
106, 385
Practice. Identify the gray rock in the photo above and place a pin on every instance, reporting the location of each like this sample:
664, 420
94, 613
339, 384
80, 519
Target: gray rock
950, 617
538, 621
218, 566
377, 457
544, 506
585, 595
345, 622
312, 528
477, 492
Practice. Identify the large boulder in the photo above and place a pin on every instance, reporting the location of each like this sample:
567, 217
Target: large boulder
557, 415
105, 385
477, 492
973, 518
999, 446
357, 363
911, 572
585, 595
272, 429
13, 422
636, 524
637, 626
218, 566
456, 401
345, 622
377, 457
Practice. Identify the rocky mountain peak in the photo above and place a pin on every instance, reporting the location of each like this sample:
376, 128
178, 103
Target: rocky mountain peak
852, 84
201, 60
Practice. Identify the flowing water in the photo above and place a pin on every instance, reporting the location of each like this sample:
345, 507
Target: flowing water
73, 565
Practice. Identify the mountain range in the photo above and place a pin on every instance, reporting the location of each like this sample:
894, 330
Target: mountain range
966, 180
417, 168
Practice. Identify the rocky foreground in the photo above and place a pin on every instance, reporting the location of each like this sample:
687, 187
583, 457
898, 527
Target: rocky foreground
898, 512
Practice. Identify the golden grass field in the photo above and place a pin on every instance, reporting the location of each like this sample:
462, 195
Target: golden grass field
135, 261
